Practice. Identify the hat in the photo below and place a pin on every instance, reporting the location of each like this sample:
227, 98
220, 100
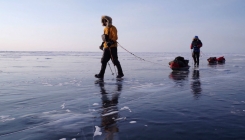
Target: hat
108, 19
196, 37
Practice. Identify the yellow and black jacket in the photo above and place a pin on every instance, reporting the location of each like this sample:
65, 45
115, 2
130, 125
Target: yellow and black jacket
111, 31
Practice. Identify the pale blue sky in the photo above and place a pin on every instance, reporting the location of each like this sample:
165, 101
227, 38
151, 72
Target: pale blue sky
143, 25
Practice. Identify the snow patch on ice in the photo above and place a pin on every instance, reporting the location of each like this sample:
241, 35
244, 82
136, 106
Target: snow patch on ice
67, 110
107, 114
126, 108
95, 104
97, 131
63, 106
49, 112
123, 118
132, 122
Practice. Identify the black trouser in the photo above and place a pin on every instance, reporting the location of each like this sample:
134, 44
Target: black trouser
107, 54
195, 56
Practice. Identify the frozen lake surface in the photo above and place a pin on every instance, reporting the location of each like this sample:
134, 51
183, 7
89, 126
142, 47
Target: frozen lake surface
54, 96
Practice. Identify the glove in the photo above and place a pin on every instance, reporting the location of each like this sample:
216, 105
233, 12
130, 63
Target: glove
108, 44
101, 46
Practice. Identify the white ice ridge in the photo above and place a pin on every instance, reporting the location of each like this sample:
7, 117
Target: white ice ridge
107, 114
92, 110
6, 118
132, 122
95, 104
125, 107
48, 112
120, 119
97, 131
222, 70
65, 139
63, 106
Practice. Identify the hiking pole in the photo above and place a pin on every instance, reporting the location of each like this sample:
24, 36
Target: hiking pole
110, 68
112, 60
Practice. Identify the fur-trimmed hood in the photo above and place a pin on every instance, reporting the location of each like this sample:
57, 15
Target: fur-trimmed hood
109, 20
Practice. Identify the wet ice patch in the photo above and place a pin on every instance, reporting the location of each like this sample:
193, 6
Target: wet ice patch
97, 131
236, 66
239, 59
222, 70
64, 122
126, 108
47, 84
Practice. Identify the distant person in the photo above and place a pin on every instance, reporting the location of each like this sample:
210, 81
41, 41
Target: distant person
109, 47
196, 45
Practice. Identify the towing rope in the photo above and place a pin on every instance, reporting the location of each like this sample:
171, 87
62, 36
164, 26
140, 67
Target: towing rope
139, 57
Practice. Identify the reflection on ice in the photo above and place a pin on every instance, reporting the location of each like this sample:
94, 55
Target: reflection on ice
110, 113
196, 84
180, 77
57, 98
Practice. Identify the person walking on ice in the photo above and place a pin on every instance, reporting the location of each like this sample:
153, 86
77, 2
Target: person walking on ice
109, 47
196, 45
